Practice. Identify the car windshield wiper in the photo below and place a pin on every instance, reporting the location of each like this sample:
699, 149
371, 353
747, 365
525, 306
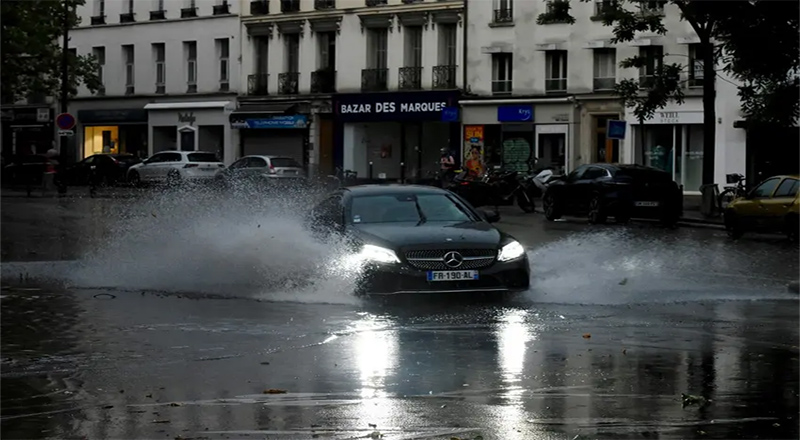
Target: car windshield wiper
422, 218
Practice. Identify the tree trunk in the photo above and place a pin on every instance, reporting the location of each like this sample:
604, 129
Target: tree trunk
709, 112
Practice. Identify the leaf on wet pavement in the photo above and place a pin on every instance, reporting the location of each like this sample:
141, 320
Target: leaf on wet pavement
160, 421
689, 399
174, 404
587, 335
275, 391
623, 282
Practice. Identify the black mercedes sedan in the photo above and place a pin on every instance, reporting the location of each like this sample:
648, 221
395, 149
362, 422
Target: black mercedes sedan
420, 239
602, 190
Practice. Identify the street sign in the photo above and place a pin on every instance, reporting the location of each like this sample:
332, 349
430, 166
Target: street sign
615, 129
67, 133
65, 121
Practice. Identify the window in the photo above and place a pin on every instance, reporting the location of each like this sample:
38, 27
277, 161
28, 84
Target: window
407, 208
159, 58
223, 50
605, 69
202, 157
377, 48
99, 8
653, 59
764, 191
100, 54
603, 6
652, 6
503, 11
695, 66
787, 188
413, 46
447, 44
502, 67
292, 60
284, 162
327, 50
262, 55
556, 78
190, 49
594, 173
128, 59
130, 6
160, 5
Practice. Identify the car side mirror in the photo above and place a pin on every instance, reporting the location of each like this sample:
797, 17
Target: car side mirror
491, 216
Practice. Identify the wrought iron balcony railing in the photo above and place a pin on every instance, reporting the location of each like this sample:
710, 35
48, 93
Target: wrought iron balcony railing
505, 15
555, 85
259, 7
410, 78
257, 84
126, 18
324, 4
158, 15
98, 19
501, 87
371, 3
444, 77
188, 12
290, 6
374, 80
323, 81
604, 84
222, 9
288, 83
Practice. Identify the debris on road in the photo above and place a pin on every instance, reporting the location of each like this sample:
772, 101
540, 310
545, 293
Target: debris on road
587, 336
688, 400
275, 391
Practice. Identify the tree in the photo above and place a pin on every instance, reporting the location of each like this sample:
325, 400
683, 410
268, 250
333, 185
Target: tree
32, 34
731, 33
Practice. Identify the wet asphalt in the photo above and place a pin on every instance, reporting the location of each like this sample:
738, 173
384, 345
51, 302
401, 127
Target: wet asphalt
628, 332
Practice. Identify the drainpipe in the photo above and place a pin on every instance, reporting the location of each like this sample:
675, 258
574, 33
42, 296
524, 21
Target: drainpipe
464, 22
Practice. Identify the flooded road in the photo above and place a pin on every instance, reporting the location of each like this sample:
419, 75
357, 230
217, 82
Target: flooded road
628, 332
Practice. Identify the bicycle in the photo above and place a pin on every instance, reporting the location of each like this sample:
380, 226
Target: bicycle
734, 190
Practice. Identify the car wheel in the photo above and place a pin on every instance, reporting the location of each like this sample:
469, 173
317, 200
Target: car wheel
622, 217
732, 225
597, 212
552, 211
792, 228
134, 179
525, 202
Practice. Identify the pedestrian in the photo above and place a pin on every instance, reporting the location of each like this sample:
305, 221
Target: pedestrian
447, 166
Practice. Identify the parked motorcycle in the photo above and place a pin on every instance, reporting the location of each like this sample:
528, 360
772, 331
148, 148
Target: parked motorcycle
495, 188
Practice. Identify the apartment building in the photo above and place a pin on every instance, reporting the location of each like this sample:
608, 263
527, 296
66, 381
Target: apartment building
365, 85
544, 92
170, 72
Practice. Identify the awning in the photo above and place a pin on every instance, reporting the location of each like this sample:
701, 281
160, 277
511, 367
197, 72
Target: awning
269, 109
187, 105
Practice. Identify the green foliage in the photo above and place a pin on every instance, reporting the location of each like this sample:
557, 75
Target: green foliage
32, 34
557, 12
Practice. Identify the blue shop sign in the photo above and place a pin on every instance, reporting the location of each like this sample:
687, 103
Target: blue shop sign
515, 113
616, 129
396, 107
450, 114
278, 121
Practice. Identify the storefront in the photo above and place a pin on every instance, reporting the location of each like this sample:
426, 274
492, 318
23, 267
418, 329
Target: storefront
112, 131
395, 135
272, 135
595, 115
27, 130
519, 135
191, 126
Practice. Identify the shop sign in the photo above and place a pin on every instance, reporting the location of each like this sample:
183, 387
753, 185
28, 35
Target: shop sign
278, 121
515, 113
112, 115
672, 117
388, 107
474, 162
186, 118
450, 114
615, 129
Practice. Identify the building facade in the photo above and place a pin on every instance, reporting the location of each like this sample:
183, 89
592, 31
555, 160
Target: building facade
170, 72
352, 84
542, 93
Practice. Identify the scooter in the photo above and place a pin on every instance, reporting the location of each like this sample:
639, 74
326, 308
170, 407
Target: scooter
494, 188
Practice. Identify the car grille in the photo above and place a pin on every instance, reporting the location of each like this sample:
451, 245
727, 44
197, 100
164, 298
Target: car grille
434, 259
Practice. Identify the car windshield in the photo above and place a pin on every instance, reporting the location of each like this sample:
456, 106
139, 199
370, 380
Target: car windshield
126, 158
397, 208
284, 162
202, 157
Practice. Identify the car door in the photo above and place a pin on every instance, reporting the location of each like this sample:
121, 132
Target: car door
586, 186
568, 190
776, 207
79, 174
255, 167
753, 211
170, 162
147, 170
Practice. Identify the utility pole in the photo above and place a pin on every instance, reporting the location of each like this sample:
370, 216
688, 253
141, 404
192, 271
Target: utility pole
64, 79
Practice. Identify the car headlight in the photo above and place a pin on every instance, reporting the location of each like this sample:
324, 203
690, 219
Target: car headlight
378, 254
511, 251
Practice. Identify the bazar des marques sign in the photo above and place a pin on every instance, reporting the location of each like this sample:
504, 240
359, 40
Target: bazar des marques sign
392, 107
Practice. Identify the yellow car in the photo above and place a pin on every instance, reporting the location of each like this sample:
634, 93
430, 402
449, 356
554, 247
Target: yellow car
772, 206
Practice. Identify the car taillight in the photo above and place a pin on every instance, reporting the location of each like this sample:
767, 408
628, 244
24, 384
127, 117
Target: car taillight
465, 183
271, 169
191, 165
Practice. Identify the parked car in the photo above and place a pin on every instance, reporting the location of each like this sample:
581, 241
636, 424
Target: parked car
262, 169
173, 167
772, 206
105, 169
598, 191
27, 169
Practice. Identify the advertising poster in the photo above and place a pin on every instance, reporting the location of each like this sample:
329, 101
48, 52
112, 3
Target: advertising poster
474, 150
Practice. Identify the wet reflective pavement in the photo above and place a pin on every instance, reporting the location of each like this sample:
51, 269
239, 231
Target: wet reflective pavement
614, 331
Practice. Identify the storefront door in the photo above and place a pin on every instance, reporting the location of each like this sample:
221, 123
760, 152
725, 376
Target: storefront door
187, 139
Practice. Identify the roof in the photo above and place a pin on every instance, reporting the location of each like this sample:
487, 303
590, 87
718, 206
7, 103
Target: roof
376, 190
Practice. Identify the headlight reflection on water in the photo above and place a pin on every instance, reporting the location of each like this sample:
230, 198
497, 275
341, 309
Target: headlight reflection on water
376, 352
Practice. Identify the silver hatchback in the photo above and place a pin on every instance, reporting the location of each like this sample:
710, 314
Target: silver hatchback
266, 169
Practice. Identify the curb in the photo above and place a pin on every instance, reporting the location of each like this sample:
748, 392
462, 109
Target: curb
699, 223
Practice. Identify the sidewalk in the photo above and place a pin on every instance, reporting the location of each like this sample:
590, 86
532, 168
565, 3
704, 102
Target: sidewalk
692, 215
72, 192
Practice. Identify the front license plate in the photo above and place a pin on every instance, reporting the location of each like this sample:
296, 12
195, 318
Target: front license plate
646, 204
452, 275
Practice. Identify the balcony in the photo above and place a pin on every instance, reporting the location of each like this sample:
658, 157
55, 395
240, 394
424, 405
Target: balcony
257, 84
290, 6
371, 3
323, 81
259, 7
222, 9
98, 19
555, 85
444, 77
158, 15
126, 18
374, 80
504, 15
188, 12
410, 78
604, 84
501, 87
324, 4
288, 83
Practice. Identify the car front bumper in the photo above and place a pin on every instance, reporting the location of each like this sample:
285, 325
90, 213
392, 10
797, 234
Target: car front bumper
397, 279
